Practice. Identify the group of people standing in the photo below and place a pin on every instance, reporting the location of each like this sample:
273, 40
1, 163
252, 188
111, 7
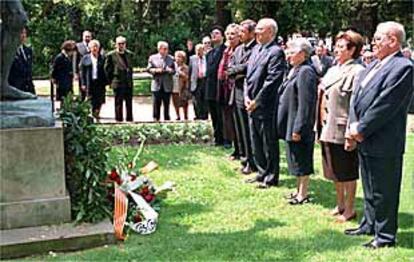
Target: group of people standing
356, 111
257, 92
95, 71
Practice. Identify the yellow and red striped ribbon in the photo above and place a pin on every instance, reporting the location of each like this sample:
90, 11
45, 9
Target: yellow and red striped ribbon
120, 212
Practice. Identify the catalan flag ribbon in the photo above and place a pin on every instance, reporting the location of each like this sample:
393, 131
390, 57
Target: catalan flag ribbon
120, 212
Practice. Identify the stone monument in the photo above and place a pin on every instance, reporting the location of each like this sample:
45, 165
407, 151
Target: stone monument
32, 174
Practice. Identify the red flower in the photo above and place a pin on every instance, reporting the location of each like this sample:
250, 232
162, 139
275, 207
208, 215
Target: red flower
133, 177
149, 197
113, 175
144, 191
137, 218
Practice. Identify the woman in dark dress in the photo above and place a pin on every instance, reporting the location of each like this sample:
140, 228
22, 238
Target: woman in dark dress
339, 157
93, 78
62, 70
296, 116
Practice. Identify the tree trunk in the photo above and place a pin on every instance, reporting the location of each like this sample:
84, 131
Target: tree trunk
223, 13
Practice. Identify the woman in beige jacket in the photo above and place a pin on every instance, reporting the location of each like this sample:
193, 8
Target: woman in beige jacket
339, 157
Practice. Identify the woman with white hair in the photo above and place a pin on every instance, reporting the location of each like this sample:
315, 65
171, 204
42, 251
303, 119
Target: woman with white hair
92, 77
296, 116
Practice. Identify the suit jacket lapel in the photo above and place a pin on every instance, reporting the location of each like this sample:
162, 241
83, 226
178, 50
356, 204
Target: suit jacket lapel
378, 77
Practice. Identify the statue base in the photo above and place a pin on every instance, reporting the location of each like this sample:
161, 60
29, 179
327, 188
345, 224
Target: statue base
26, 113
32, 186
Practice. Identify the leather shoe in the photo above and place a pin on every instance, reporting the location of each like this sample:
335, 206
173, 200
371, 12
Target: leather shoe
356, 232
373, 244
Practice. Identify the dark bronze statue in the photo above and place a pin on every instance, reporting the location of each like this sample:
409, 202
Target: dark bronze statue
13, 18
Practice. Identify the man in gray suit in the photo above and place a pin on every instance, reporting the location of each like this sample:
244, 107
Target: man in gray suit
321, 62
378, 118
82, 49
162, 68
197, 83
265, 71
237, 71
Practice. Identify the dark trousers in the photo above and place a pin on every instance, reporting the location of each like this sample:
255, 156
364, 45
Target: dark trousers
82, 93
121, 95
199, 102
265, 145
241, 121
216, 117
381, 182
158, 98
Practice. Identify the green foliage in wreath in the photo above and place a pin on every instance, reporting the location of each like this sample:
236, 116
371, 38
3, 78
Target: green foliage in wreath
86, 155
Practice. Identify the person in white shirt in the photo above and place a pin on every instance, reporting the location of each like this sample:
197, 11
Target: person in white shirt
92, 77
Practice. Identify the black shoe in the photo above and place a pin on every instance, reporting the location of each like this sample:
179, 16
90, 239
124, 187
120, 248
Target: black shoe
357, 232
263, 185
373, 244
295, 201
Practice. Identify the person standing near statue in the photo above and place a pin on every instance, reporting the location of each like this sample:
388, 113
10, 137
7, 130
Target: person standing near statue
93, 77
62, 70
21, 70
118, 68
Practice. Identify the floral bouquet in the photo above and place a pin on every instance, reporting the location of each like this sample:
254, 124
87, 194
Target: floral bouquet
136, 199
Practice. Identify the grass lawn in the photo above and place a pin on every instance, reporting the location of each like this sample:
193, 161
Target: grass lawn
142, 87
215, 216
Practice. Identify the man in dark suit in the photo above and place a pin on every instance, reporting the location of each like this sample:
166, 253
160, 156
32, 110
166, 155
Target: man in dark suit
238, 70
162, 68
118, 69
82, 50
264, 77
378, 118
21, 70
213, 60
321, 61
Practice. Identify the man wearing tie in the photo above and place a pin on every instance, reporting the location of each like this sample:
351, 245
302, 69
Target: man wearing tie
265, 71
197, 73
21, 70
378, 118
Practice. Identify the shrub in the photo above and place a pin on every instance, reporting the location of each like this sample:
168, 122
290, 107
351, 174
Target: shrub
86, 155
160, 133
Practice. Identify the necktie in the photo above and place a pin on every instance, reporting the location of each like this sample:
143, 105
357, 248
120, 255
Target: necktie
200, 68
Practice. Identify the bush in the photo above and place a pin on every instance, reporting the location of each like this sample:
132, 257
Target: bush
161, 133
86, 155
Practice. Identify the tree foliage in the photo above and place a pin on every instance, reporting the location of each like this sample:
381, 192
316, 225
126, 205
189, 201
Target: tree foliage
144, 22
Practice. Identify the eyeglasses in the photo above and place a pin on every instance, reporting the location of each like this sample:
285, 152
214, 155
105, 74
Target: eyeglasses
121, 43
206, 43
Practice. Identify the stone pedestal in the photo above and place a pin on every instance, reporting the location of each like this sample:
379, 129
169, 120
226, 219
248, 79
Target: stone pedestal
32, 181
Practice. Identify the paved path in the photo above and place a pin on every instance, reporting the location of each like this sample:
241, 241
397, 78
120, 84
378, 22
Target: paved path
142, 110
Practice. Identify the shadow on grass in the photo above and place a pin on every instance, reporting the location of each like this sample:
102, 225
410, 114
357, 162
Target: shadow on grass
405, 239
248, 245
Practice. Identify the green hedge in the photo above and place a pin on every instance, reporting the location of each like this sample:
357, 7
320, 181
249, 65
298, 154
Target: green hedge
159, 133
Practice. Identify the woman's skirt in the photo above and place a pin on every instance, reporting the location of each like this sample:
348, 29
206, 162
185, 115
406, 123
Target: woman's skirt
339, 165
299, 156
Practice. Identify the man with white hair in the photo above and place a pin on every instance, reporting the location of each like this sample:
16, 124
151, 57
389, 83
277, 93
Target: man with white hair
378, 118
265, 71
118, 68
161, 66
